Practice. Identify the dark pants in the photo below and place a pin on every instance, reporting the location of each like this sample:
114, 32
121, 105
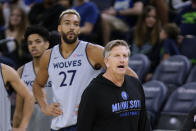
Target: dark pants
71, 128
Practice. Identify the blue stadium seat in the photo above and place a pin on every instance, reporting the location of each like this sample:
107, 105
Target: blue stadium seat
190, 85
192, 75
181, 101
140, 64
188, 47
155, 95
173, 71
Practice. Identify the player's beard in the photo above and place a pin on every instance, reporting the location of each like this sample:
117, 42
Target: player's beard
67, 40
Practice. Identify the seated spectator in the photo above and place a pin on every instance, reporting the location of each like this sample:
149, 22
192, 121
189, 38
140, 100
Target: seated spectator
89, 17
46, 14
190, 122
175, 7
162, 9
15, 30
120, 17
146, 35
169, 37
186, 19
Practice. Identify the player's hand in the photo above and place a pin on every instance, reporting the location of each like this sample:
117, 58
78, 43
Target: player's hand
53, 110
18, 129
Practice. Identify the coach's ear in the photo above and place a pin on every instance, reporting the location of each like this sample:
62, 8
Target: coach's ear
106, 62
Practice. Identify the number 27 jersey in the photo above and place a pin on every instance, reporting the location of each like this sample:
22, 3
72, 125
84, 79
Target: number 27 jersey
69, 76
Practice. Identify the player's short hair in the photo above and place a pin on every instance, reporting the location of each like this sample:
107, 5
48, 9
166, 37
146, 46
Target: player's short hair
37, 29
68, 11
110, 45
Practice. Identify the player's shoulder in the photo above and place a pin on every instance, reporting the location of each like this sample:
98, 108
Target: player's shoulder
8, 72
8, 68
94, 47
95, 55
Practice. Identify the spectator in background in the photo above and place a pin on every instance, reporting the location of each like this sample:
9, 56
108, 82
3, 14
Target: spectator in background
174, 6
3, 47
168, 46
186, 19
8, 4
15, 30
89, 17
169, 37
65, 3
162, 10
46, 14
120, 17
146, 35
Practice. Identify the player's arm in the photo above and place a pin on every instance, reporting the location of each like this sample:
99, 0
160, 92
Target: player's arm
12, 77
38, 88
41, 80
95, 55
19, 105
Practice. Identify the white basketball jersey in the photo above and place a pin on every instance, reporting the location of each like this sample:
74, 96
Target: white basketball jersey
5, 122
39, 121
69, 76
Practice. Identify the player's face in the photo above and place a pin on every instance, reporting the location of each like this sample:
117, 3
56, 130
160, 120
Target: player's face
117, 62
69, 28
36, 45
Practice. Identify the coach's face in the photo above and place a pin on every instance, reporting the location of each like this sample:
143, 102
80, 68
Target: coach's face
117, 62
69, 28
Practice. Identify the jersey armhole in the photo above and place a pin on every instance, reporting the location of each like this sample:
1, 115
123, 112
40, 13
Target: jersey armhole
88, 58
